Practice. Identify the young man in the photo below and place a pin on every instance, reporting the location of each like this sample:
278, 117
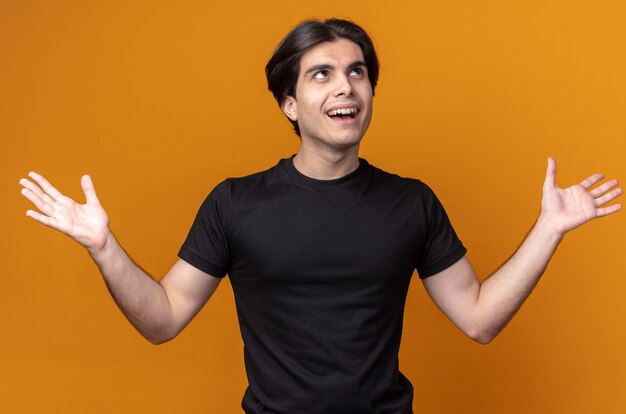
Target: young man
320, 248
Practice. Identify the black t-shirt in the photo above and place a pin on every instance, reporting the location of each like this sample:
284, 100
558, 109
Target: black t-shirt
320, 271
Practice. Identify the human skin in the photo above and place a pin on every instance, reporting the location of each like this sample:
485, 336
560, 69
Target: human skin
482, 310
158, 310
333, 75
329, 149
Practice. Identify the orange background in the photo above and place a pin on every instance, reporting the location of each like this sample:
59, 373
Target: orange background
159, 101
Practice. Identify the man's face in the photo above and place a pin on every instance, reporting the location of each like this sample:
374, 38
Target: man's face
333, 103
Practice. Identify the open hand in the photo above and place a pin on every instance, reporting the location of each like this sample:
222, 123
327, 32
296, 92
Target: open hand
567, 208
87, 223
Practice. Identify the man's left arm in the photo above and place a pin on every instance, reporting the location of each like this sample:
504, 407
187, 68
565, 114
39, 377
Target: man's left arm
482, 310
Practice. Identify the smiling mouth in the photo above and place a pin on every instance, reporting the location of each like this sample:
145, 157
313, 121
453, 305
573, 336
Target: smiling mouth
343, 113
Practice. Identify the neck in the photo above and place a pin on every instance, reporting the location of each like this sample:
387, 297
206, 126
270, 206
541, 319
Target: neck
326, 166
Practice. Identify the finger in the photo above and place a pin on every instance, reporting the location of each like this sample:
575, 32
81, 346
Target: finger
600, 201
43, 219
42, 205
597, 192
89, 190
35, 189
45, 185
550, 180
608, 210
588, 182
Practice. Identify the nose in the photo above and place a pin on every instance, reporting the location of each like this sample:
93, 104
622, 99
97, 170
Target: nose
343, 87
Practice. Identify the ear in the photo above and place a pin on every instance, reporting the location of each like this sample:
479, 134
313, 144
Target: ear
290, 108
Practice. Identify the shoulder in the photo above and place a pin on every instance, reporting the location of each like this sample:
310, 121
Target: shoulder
234, 190
396, 182
242, 183
238, 188
409, 192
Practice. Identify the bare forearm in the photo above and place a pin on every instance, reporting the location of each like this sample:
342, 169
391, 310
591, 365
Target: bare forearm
159, 311
504, 292
142, 300
482, 310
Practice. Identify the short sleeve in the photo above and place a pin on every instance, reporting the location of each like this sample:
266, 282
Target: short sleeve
442, 248
206, 246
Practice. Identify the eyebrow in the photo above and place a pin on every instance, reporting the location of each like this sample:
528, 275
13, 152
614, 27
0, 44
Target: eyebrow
326, 66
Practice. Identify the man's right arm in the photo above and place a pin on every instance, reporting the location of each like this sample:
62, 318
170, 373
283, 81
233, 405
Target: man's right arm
158, 310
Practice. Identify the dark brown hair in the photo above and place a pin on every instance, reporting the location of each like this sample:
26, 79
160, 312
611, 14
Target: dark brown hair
284, 66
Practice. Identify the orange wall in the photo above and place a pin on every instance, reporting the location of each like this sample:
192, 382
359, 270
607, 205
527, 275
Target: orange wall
159, 101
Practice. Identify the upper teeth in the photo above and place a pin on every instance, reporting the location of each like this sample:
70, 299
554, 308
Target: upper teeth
342, 111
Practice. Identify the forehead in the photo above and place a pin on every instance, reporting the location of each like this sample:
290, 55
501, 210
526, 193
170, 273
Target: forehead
341, 52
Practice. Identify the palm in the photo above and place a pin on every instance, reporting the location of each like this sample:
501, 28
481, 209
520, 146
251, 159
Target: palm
568, 208
86, 223
83, 222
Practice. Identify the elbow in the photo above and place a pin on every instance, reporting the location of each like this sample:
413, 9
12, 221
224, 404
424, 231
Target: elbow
483, 339
482, 336
159, 338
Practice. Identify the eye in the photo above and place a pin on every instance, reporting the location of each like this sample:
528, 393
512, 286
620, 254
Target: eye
356, 71
322, 74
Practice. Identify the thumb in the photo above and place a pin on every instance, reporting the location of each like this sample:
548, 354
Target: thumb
89, 190
550, 181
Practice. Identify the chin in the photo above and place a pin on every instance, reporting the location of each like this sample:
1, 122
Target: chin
338, 140
346, 142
